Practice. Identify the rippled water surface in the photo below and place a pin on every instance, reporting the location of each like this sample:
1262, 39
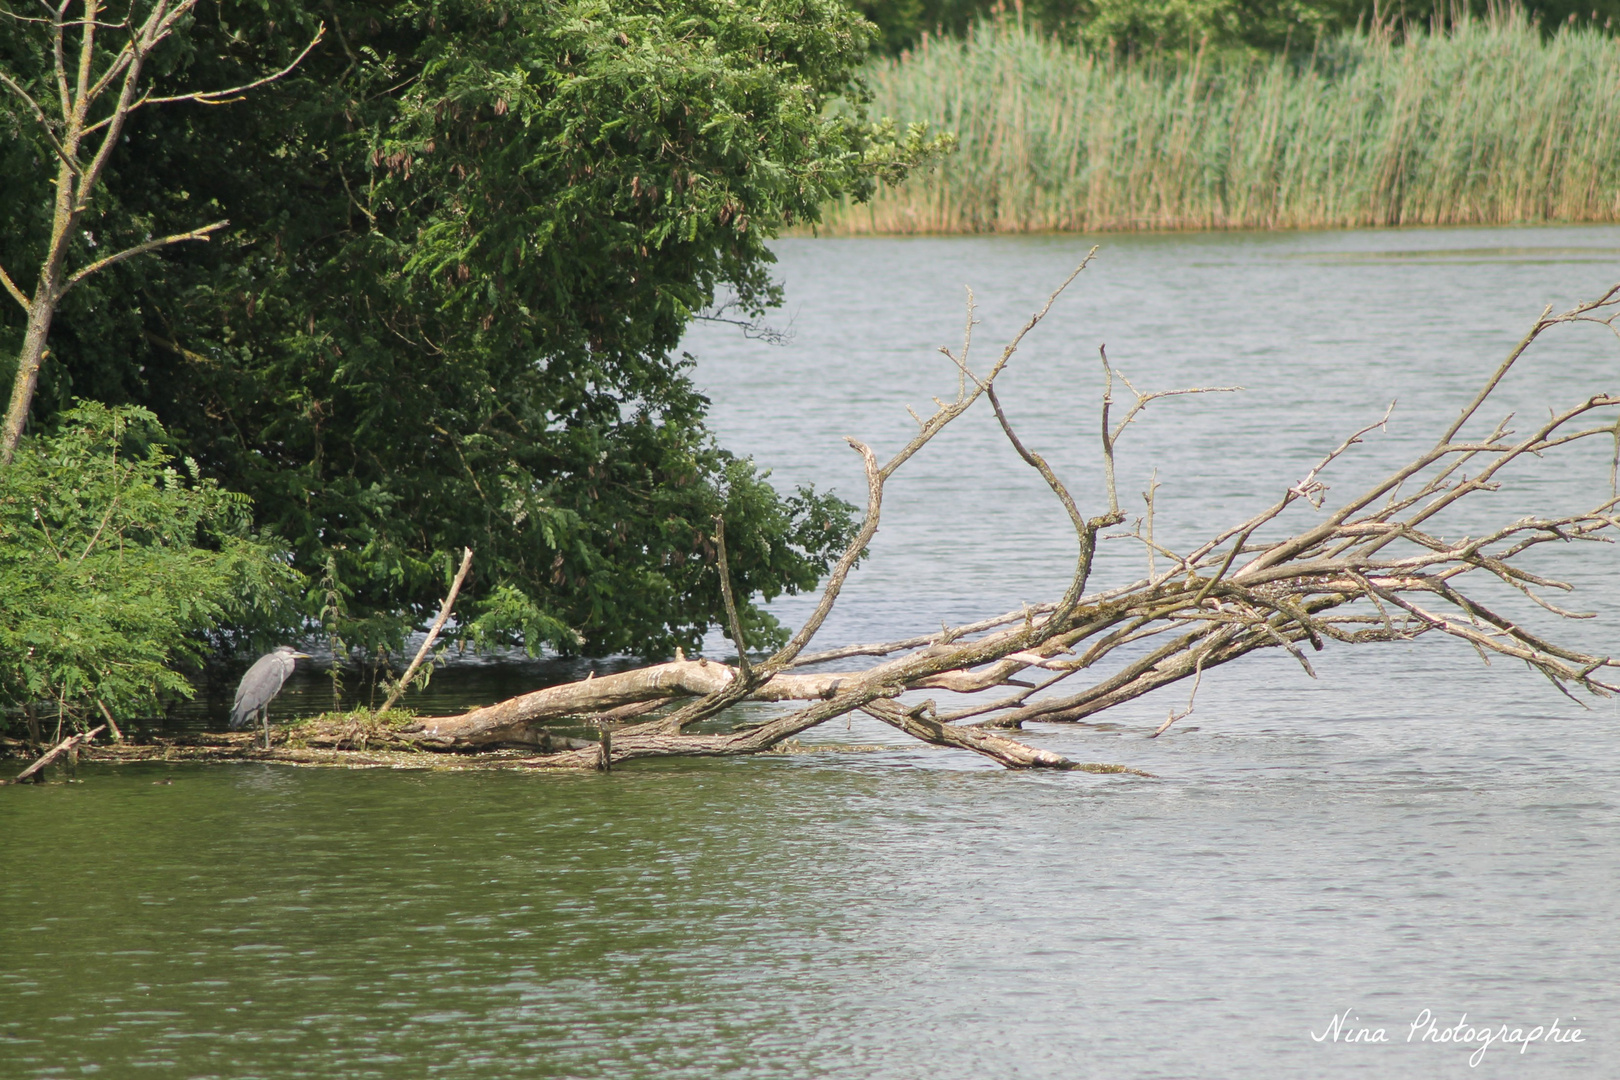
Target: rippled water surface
1409, 831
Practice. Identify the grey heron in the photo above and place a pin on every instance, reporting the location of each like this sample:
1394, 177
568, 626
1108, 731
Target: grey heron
263, 682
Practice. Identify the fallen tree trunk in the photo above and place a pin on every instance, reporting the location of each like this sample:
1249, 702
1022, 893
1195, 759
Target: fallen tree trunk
508, 720
1375, 568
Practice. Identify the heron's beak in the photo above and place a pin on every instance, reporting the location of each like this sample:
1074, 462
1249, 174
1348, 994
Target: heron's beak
302, 656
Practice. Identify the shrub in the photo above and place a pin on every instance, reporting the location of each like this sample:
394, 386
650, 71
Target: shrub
117, 568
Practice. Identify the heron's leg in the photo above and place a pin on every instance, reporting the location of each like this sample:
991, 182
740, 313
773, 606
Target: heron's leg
264, 718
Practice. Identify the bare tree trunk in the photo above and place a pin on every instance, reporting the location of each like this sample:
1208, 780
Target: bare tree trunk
1338, 580
676, 680
42, 308
22, 387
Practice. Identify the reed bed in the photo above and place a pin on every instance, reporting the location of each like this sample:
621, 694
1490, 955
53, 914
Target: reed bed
1489, 123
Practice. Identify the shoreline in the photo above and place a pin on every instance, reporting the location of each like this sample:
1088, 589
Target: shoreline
840, 232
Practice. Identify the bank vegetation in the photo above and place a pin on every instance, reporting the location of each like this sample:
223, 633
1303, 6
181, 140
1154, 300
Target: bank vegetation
1490, 121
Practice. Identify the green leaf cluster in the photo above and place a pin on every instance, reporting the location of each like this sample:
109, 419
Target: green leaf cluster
119, 565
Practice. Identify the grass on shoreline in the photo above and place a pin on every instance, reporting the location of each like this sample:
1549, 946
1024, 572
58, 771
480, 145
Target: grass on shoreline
1489, 124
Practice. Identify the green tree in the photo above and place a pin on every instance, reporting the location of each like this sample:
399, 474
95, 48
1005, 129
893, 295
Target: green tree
467, 239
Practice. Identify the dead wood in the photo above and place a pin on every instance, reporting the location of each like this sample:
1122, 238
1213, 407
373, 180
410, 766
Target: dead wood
118, 736
433, 632
1373, 568
67, 746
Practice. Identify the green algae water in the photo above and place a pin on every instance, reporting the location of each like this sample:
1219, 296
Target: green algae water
1409, 834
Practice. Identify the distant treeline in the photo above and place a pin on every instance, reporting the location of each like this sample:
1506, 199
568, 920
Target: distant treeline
1133, 27
1487, 122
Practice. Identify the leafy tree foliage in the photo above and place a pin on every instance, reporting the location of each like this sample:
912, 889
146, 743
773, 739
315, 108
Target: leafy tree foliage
467, 236
116, 566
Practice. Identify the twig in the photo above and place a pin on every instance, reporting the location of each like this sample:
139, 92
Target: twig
1148, 497
232, 94
16, 293
202, 234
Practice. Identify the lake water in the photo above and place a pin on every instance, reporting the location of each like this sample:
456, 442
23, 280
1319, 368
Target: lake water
1410, 831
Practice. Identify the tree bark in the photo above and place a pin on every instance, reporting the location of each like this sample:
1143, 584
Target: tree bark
41, 312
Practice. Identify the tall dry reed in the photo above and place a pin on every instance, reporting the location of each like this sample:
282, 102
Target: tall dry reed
1488, 123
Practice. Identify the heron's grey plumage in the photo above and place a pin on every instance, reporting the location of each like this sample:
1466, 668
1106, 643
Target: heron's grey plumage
263, 682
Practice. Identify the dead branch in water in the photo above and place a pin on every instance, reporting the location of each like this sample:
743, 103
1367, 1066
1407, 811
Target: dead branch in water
1372, 569
67, 746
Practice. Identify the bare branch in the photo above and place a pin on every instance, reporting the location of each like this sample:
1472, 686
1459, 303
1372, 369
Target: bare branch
33, 106
433, 632
1198, 677
140, 249
1578, 313
42, 120
25, 18
920, 723
16, 293
1085, 532
66, 746
59, 56
1373, 569
945, 636
229, 95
